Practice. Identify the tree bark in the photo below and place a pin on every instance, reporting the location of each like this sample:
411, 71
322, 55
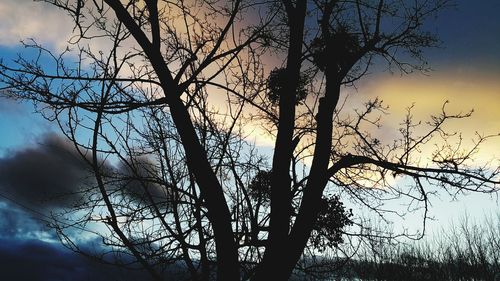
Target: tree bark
281, 181
211, 190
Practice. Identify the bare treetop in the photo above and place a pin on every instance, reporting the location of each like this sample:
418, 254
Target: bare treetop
156, 97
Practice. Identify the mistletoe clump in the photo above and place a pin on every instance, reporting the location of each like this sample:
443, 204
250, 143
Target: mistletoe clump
339, 49
332, 218
260, 186
277, 84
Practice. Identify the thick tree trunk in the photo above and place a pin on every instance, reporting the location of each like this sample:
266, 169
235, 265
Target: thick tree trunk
318, 175
282, 266
211, 190
281, 182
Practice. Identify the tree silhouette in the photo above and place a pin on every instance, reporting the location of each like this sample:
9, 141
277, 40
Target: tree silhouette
158, 106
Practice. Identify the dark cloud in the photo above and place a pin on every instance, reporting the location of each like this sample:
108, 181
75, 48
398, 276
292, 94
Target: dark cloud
140, 177
52, 175
34, 260
18, 224
467, 32
29, 250
47, 175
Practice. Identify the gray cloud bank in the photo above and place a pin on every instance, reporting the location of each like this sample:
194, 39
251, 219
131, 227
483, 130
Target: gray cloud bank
53, 175
45, 176
35, 260
29, 251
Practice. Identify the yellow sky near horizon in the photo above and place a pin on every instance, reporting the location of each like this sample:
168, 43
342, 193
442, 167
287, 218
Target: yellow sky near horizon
464, 92
428, 94
479, 92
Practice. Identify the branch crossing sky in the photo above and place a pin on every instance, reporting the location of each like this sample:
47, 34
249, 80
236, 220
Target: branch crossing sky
466, 72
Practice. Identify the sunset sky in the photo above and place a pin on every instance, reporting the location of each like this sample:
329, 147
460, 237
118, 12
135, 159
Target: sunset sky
466, 72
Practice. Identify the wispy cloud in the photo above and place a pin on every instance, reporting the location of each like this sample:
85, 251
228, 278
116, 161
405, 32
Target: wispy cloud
30, 19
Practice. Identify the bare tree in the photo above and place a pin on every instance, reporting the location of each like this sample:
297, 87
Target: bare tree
466, 251
158, 111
